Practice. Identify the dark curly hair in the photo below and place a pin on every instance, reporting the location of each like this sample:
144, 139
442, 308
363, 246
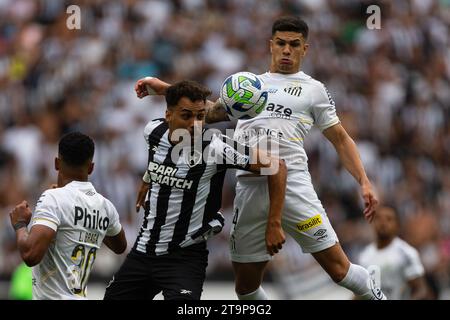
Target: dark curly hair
290, 23
186, 88
76, 148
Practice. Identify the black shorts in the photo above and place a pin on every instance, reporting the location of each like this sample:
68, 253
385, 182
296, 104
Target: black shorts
179, 275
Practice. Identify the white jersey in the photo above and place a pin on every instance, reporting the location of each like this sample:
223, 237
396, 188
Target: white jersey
81, 218
295, 103
398, 263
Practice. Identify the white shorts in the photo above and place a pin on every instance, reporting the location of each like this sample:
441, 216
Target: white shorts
304, 218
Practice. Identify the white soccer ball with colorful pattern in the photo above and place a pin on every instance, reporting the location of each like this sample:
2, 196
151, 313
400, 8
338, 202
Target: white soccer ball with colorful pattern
243, 95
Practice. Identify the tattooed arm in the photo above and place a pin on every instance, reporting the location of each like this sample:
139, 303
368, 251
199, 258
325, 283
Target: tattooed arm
216, 111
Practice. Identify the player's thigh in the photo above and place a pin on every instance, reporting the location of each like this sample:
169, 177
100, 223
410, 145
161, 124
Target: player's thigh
181, 274
132, 281
251, 207
304, 217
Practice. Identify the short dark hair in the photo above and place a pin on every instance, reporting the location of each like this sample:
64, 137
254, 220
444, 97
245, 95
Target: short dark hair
76, 148
186, 88
290, 23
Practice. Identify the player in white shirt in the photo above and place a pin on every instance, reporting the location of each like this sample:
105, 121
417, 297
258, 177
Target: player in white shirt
396, 262
68, 226
295, 103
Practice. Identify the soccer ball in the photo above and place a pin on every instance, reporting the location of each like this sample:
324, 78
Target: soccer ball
243, 95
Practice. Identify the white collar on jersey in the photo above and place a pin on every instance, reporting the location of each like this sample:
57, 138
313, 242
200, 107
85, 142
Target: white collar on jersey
75, 183
298, 75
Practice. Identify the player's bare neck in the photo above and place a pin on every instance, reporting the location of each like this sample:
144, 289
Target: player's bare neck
383, 243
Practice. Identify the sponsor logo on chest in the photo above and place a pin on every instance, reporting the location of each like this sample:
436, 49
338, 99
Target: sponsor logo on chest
164, 174
294, 91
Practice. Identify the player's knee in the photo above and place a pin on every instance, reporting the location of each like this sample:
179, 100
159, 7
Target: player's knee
338, 273
246, 285
248, 276
246, 288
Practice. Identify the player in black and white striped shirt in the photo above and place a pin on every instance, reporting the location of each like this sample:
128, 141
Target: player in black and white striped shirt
181, 193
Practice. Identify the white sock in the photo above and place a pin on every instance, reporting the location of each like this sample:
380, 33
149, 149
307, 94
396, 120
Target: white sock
359, 281
258, 294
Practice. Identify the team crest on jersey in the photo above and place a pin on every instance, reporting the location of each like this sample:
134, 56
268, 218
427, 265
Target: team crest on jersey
193, 158
295, 90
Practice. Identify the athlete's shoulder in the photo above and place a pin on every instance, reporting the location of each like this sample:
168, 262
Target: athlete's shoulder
404, 246
155, 124
109, 206
319, 92
314, 83
53, 194
154, 130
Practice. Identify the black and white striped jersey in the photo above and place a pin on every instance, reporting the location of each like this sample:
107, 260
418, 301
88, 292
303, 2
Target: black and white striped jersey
185, 187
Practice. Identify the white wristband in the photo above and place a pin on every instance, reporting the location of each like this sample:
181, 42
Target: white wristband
150, 91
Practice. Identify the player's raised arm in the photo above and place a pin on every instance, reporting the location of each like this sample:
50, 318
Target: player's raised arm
215, 112
349, 155
150, 86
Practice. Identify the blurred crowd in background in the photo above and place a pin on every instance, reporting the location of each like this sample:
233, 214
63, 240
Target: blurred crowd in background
391, 87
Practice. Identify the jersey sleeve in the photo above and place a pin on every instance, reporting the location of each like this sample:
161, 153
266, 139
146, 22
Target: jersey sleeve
228, 153
413, 268
46, 212
323, 108
114, 221
152, 125
152, 140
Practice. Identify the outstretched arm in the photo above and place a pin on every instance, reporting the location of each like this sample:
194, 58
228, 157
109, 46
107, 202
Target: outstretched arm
348, 153
150, 86
153, 86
